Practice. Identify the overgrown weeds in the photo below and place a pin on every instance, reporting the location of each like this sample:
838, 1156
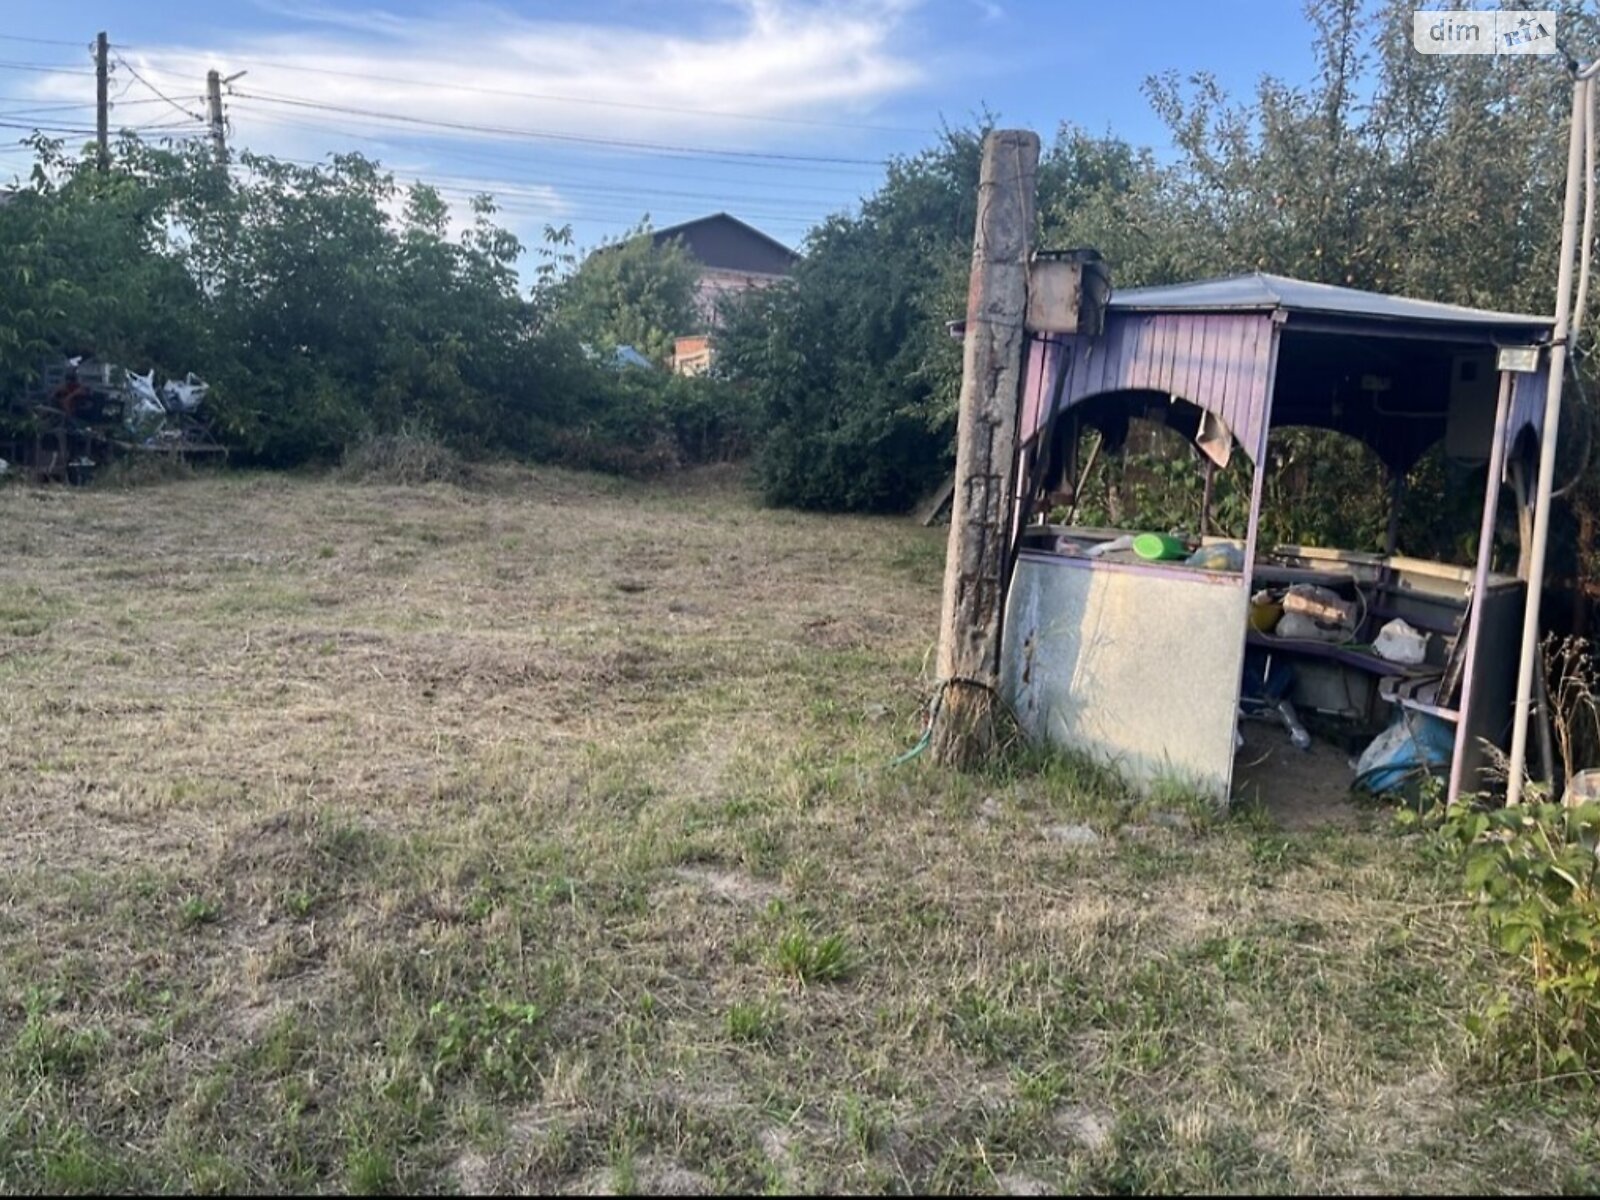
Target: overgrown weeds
412, 455
136, 470
1534, 870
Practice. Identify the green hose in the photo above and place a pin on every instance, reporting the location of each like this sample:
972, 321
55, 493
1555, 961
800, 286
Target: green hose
921, 745
927, 734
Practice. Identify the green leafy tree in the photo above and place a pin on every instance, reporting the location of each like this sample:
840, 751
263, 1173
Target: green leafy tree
850, 365
632, 292
323, 304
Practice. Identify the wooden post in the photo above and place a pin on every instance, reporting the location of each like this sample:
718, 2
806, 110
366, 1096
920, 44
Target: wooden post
219, 140
986, 451
102, 101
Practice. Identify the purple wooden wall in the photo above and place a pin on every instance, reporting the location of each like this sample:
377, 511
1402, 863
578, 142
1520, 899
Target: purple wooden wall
1217, 361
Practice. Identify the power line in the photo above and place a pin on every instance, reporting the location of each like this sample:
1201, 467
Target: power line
495, 189
723, 114
13, 37
581, 139
33, 106
158, 91
610, 206
45, 128
453, 151
405, 139
551, 193
30, 107
42, 69
590, 209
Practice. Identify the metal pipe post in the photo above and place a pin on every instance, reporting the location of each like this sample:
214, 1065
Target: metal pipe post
1480, 586
1547, 443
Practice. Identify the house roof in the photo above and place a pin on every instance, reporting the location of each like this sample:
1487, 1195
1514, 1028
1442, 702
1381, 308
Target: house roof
1259, 292
723, 241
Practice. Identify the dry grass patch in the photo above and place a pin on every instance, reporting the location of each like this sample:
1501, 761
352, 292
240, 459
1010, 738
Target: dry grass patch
540, 836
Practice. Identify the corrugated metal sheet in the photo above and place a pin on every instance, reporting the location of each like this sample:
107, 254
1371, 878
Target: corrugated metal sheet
1217, 361
1261, 292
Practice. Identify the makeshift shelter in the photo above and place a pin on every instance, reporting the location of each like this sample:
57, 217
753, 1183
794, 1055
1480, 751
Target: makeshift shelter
1143, 663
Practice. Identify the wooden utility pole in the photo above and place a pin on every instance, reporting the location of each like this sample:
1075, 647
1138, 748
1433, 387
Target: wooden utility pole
219, 140
986, 451
102, 100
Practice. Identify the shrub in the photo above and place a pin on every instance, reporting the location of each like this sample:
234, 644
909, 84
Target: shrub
410, 456
1534, 870
638, 422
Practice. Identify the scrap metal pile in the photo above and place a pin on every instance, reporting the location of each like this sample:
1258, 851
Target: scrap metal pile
84, 412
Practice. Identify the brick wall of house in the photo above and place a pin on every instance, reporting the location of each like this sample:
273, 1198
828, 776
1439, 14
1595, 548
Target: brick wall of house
715, 283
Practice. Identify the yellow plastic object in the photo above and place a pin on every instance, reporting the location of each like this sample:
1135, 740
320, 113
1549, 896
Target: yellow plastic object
1264, 615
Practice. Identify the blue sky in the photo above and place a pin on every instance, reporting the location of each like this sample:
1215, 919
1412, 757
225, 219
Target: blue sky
779, 111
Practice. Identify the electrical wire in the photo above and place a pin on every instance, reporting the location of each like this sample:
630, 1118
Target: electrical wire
44, 69
46, 128
800, 217
607, 211
841, 192
555, 205
550, 135
169, 127
193, 116
58, 108
37, 105
529, 188
15, 37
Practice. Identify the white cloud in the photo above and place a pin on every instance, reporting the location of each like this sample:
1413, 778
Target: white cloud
795, 60
798, 65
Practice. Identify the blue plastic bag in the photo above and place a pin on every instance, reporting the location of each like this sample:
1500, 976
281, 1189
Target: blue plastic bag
1414, 745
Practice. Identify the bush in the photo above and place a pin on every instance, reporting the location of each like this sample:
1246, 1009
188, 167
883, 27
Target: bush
638, 422
837, 366
1534, 870
410, 456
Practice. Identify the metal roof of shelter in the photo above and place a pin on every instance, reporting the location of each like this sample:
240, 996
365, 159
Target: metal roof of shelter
1260, 292
1257, 349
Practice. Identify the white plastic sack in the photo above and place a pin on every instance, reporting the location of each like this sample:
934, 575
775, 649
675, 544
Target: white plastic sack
1322, 605
185, 396
145, 413
1300, 627
1400, 643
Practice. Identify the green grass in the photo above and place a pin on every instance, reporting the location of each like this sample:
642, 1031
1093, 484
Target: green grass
444, 863
803, 958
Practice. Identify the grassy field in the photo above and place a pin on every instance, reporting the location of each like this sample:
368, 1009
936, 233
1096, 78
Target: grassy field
541, 834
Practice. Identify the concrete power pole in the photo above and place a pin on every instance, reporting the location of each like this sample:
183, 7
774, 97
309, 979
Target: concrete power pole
986, 452
219, 140
102, 99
